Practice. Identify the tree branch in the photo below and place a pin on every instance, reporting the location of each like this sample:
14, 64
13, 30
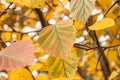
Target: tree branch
2, 42
111, 8
103, 60
41, 18
82, 73
4, 12
49, 6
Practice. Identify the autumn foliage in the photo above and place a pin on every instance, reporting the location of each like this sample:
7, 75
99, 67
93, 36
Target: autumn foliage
59, 40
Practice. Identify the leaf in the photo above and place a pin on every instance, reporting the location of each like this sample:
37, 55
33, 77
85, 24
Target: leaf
38, 51
19, 54
105, 4
58, 67
20, 74
36, 66
58, 39
103, 24
78, 25
115, 75
29, 3
62, 78
41, 77
6, 36
3, 78
81, 9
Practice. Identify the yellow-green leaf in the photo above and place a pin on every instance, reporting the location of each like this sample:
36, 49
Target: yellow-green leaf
103, 24
29, 3
58, 39
114, 75
20, 74
58, 67
81, 9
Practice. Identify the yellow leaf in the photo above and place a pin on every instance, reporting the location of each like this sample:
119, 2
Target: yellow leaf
3, 17
62, 78
38, 51
2, 78
36, 66
77, 77
103, 24
114, 75
18, 36
20, 74
44, 65
58, 39
58, 67
78, 25
105, 4
81, 9
41, 77
25, 36
7, 36
29, 3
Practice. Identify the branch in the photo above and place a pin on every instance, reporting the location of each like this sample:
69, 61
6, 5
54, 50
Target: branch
111, 46
103, 60
85, 47
4, 12
2, 42
82, 73
41, 18
49, 6
111, 8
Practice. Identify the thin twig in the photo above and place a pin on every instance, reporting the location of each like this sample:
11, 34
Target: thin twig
82, 45
8, 25
2, 42
99, 59
111, 46
82, 73
77, 46
41, 17
5, 10
110, 8
49, 6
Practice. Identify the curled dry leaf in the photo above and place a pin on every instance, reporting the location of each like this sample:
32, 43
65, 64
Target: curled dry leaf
19, 54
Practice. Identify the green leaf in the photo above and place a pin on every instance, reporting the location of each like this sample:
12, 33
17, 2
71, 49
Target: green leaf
58, 67
58, 39
81, 9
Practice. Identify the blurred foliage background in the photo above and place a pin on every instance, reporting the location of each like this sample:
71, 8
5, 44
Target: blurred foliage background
21, 22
